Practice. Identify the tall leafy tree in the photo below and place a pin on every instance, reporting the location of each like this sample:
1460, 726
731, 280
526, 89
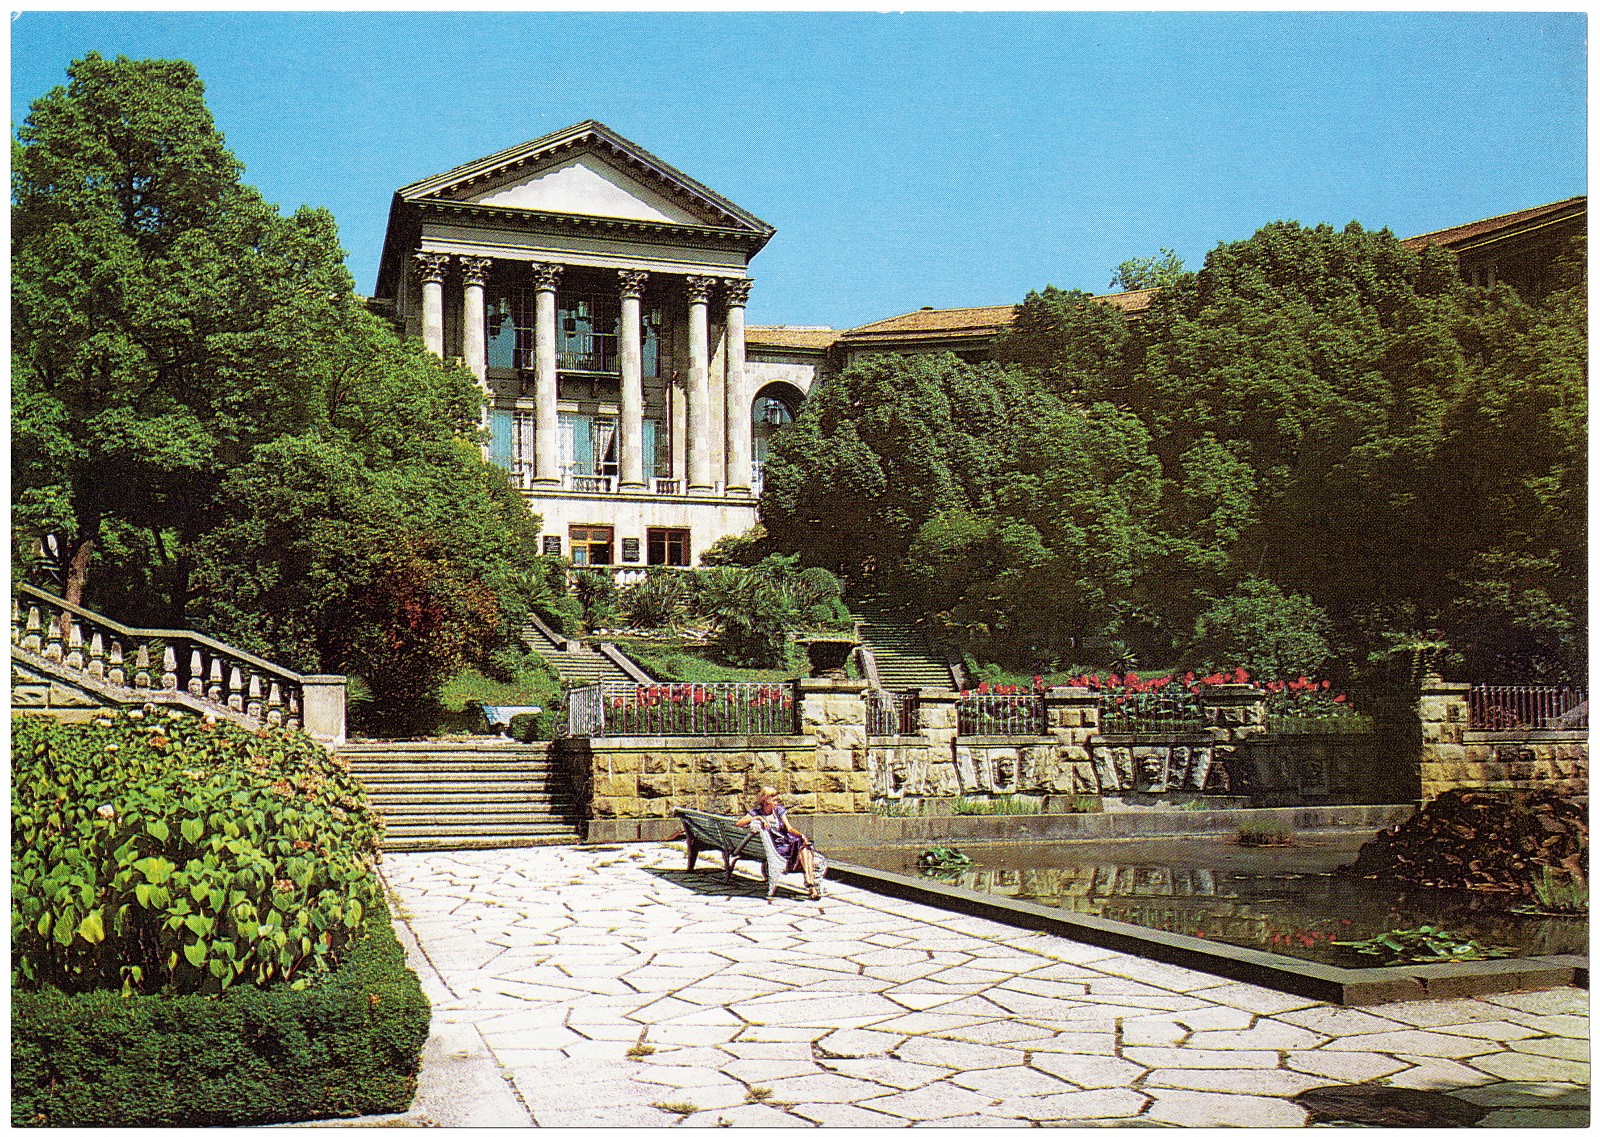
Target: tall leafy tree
1136, 273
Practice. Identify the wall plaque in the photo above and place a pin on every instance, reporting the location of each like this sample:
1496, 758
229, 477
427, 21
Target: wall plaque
552, 546
630, 550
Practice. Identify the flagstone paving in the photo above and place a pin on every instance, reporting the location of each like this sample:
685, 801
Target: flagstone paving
611, 987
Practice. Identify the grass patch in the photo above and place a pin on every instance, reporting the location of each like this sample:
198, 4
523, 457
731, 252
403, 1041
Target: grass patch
640, 1050
1265, 832
995, 807
691, 665
757, 1094
534, 685
681, 1108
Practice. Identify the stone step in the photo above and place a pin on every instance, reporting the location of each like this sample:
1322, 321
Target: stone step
427, 796
491, 841
508, 819
422, 767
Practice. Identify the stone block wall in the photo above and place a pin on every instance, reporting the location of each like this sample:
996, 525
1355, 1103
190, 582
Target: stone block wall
1454, 756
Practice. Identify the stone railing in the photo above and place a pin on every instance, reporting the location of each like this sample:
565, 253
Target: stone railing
68, 658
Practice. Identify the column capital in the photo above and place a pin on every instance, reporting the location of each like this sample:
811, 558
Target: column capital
632, 282
545, 276
474, 270
430, 267
737, 292
699, 288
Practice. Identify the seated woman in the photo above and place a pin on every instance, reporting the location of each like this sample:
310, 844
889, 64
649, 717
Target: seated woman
791, 844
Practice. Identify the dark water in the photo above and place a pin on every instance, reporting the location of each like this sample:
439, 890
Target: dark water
1283, 900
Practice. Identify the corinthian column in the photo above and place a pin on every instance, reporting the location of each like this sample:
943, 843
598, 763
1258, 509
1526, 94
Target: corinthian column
631, 456
546, 453
430, 270
473, 272
699, 385
736, 405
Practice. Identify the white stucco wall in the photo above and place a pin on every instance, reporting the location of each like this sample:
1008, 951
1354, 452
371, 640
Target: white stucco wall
708, 520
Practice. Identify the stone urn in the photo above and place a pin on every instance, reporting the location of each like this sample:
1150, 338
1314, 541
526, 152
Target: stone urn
827, 653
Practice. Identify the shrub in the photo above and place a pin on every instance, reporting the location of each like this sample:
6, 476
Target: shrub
348, 1044
1265, 832
164, 853
597, 593
736, 548
1264, 630
659, 601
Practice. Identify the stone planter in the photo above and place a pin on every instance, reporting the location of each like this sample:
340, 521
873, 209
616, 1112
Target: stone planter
827, 655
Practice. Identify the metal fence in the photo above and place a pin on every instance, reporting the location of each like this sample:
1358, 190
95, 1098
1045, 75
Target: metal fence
695, 709
999, 714
892, 712
1149, 713
1528, 708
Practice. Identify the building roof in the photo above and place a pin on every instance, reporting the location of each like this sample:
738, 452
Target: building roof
969, 323
1504, 224
789, 336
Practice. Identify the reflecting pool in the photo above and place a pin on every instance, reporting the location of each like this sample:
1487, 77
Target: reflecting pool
1285, 900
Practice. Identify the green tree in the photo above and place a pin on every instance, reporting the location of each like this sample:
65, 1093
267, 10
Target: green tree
1074, 342
1138, 273
1257, 627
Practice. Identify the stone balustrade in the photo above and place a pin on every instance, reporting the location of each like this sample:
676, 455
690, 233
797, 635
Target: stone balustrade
70, 662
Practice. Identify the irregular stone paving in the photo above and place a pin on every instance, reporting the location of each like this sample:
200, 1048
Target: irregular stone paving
613, 988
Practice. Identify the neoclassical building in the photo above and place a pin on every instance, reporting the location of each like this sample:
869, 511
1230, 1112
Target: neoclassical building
598, 295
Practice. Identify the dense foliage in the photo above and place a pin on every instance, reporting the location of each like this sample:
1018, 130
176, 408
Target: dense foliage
163, 853
1320, 449
346, 1046
214, 427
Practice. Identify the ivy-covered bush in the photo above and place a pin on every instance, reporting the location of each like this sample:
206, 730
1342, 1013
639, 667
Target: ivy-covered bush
163, 853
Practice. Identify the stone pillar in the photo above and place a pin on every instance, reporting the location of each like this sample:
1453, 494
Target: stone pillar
430, 270
1444, 714
736, 446
937, 722
546, 451
699, 392
833, 712
322, 703
1072, 717
474, 349
631, 444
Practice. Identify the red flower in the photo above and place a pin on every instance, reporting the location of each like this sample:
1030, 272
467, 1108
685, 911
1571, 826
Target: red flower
1324, 684
1188, 676
1240, 675
983, 688
1338, 698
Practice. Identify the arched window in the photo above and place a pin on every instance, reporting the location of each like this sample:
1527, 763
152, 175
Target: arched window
775, 407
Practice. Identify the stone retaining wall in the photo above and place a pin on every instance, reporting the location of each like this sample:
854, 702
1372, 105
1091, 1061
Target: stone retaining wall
1457, 757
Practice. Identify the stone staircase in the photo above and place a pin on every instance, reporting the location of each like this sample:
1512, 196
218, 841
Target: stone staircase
576, 664
465, 795
903, 655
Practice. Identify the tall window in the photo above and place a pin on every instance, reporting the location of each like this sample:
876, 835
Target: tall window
667, 547
588, 445
590, 544
587, 332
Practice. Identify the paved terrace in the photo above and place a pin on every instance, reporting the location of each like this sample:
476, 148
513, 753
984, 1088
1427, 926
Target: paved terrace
609, 987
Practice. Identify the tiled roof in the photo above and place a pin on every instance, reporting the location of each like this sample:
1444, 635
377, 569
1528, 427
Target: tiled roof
1472, 230
780, 336
951, 323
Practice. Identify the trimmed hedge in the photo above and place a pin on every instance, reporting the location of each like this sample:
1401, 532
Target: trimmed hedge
349, 1044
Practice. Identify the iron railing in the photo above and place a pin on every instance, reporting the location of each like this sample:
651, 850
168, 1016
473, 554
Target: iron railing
1495, 707
620, 710
892, 712
999, 714
1149, 713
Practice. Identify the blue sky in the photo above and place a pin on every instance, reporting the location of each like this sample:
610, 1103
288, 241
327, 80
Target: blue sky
926, 158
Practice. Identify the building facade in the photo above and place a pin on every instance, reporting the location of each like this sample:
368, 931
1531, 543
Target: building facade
598, 295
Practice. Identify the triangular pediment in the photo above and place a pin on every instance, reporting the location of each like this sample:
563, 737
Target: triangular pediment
586, 170
588, 185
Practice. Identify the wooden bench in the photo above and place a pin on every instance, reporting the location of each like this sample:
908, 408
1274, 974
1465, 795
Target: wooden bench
736, 843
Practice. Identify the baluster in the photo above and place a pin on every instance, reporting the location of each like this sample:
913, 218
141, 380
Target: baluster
52, 647
169, 668
214, 683
16, 620
32, 641
253, 707
197, 670
293, 721
117, 677
235, 689
75, 646
141, 668
275, 704
97, 656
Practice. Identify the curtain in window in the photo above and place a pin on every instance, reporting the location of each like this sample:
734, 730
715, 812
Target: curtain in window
605, 434
500, 422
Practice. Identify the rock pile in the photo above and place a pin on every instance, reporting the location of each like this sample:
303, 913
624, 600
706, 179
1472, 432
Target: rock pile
1492, 842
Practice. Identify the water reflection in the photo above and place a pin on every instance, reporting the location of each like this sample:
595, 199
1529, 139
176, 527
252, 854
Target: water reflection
1280, 900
